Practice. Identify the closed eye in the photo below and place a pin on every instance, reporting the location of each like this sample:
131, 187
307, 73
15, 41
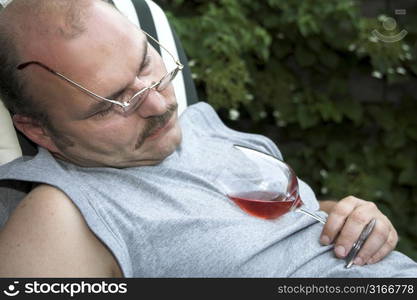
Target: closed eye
104, 112
146, 64
123, 96
127, 95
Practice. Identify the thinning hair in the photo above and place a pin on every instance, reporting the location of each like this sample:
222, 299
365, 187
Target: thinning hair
33, 15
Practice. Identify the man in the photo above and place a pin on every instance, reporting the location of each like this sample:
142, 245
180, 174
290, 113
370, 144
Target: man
125, 188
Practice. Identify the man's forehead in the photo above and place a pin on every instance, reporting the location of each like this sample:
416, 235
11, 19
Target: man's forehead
105, 33
57, 19
92, 59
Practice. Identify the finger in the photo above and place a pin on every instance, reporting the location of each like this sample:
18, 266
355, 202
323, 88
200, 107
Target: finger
337, 219
376, 240
389, 245
352, 229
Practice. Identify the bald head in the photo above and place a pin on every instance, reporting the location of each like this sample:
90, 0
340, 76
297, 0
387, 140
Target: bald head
24, 25
27, 20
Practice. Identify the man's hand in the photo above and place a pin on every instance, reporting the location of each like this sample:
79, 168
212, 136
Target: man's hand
347, 218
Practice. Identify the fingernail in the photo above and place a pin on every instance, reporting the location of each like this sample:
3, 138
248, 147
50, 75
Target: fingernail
340, 251
358, 261
324, 240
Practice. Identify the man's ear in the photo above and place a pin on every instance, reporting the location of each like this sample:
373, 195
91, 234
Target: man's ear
34, 131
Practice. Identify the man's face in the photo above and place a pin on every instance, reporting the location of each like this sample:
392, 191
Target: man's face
113, 59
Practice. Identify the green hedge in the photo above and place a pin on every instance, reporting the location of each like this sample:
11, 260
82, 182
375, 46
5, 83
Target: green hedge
314, 77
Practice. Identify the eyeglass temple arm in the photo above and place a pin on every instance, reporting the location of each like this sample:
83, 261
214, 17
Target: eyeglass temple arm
179, 64
24, 65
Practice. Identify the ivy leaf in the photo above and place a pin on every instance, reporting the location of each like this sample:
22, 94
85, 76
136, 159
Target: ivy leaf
413, 67
282, 49
304, 57
330, 59
315, 44
306, 117
394, 139
383, 116
408, 176
328, 111
412, 132
404, 158
352, 109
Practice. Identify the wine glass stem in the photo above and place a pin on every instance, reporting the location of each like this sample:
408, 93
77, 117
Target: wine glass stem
314, 216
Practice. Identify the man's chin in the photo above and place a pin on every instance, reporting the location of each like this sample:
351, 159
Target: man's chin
163, 151
158, 152
152, 153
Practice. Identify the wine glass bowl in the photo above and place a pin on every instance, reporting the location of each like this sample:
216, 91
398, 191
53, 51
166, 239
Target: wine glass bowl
269, 191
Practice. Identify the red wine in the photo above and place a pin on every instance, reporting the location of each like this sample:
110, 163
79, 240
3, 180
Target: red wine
266, 205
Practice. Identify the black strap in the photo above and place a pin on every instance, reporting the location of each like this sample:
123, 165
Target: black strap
146, 21
190, 89
28, 147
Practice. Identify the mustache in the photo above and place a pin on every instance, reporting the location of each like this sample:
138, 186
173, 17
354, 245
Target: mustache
155, 123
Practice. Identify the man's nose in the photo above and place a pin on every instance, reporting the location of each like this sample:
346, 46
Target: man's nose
153, 105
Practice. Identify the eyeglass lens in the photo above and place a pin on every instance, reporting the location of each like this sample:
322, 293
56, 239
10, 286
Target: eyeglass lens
163, 84
140, 97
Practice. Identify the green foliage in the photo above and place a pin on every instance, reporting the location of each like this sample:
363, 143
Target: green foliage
288, 68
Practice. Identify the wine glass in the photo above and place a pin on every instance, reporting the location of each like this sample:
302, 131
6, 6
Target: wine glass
266, 187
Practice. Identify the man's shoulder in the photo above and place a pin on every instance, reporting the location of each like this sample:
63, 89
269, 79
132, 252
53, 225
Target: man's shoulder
199, 108
202, 115
44, 214
48, 233
46, 202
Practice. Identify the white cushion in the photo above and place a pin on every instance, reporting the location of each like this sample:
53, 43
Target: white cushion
9, 145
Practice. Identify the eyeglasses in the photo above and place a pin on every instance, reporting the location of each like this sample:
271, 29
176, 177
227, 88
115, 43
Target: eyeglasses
136, 99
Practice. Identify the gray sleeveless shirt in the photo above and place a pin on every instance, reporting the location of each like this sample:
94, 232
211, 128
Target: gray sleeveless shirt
173, 220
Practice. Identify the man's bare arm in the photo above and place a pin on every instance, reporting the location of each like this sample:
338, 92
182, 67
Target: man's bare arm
46, 236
